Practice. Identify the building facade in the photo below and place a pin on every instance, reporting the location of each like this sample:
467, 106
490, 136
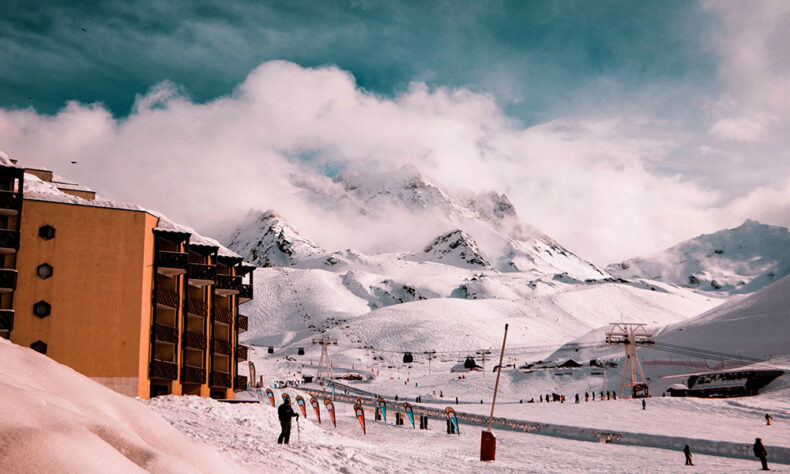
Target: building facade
118, 293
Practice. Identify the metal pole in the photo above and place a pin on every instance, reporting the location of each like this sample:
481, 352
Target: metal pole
496, 385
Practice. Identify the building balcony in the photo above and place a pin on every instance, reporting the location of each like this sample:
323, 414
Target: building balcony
240, 383
7, 280
221, 347
223, 315
241, 352
160, 369
202, 275
227, 285
9, 241
220, 379
197, 307
6, 320
194, 341
245, 294
171, 264
165, 333
193, 375
10, 203
241, 323
166, 298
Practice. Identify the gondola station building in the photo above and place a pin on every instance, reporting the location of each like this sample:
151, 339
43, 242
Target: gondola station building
119, 293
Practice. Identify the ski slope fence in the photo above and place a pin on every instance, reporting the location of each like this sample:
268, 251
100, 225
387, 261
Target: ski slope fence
701, 446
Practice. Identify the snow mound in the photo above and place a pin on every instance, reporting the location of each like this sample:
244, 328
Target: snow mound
56, 420
739, 260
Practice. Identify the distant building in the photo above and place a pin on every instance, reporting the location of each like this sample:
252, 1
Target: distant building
118, 293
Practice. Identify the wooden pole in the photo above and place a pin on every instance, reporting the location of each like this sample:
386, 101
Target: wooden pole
496, 385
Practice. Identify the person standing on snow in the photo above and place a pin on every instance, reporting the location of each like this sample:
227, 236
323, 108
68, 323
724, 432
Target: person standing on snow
687, 452
768, 419
644, 404
285, 413
761, 453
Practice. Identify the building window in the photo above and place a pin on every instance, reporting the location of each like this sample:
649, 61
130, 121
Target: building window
42, 309
39, 346
46, 232
44, 271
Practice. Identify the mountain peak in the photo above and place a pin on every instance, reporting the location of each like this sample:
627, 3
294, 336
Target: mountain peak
269, 241
455, 247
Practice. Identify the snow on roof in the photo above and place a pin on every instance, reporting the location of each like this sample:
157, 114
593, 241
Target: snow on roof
38, 190
5, 160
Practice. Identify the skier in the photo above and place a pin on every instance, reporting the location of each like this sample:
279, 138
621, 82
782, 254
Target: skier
593, 394
541, 399
285, 413
761, 453
644, 404
687, 452
577, 398
768, 419
586, 396
608, 395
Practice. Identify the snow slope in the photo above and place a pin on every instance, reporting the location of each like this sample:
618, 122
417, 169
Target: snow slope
739, 260
56, 420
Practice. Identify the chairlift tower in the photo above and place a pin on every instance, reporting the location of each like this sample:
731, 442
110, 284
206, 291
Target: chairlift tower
631, 335
324, 363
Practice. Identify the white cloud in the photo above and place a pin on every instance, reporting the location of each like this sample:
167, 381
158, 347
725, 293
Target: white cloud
591, 184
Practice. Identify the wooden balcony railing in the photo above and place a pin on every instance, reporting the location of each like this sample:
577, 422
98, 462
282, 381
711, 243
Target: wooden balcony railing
193, 375
242, 322
219, 379
172, 260
240, 383
221, 347
6, 319
165, 297
195, 341
160, 369
197, 307
7, 279
9, 240
228, 285
165, 333
245, 294
202, 273
10, 201
241, 352
223, 315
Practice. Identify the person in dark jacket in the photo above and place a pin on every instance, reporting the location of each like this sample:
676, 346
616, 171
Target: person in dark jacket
285, 413
687, 452
761, 453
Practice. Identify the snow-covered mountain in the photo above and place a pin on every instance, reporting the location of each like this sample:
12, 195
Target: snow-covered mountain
268, 241
480, 230
739, 260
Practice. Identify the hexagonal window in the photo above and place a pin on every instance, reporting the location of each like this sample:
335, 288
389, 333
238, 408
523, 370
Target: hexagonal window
39, 346
46, 232
44, 271
42, 309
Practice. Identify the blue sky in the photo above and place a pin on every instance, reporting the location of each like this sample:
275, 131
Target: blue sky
617, 127
540, 59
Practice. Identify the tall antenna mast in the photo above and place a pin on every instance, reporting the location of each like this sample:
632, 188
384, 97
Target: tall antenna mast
631, 335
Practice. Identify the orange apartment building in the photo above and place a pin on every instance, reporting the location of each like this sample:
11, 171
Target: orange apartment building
137, 303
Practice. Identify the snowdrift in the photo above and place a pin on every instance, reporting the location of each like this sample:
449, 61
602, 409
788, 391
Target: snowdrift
56, 420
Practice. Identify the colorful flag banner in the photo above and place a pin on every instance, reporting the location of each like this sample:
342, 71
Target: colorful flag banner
252, 374
300, 402
270, 394
409, 412
451, 415
360, 413
383, 408
330, 407
317, 408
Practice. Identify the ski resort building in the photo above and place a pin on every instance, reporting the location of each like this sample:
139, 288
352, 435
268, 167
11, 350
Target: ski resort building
119, 293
